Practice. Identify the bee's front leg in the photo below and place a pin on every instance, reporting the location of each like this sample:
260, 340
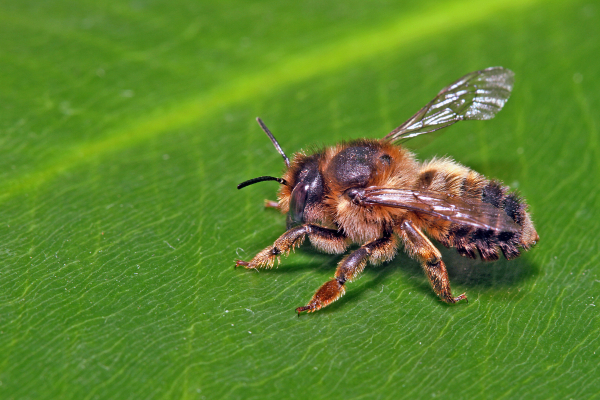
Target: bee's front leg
271, 204
324, 239
421, 248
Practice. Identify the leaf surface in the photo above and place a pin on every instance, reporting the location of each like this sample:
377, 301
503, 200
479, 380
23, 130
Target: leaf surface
125, 128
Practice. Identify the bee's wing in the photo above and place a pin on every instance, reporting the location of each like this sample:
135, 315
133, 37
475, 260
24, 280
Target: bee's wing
476, 214
478, 95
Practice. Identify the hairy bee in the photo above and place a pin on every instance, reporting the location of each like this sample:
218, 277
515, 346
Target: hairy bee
374, 193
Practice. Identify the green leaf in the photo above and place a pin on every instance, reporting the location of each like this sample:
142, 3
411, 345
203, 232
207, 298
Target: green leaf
125, 127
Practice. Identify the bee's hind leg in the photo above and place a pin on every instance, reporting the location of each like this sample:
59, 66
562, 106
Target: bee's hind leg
421, 248
349, 268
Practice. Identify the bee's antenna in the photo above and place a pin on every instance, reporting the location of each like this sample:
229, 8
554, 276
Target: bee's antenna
277, 146
261, 179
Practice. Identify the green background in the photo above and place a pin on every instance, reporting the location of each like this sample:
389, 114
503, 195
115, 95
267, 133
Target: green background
125, 127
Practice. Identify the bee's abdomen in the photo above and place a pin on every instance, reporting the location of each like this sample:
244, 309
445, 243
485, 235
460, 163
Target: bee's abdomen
447, 176
489, 243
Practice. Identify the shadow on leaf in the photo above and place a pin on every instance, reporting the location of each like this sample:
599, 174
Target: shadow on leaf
486, 276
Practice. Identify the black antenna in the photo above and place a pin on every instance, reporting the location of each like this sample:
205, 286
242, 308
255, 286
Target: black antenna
277, 146
261, 179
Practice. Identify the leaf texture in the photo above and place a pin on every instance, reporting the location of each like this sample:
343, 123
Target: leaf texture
126, 126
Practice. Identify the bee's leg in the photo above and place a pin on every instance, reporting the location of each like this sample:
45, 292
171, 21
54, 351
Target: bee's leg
324, 239
349, 268
271, 204
419, 247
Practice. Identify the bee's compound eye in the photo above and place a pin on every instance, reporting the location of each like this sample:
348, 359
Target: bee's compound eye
307, 193
295, 216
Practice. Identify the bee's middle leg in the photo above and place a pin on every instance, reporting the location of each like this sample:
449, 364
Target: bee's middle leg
325, 239
349, 268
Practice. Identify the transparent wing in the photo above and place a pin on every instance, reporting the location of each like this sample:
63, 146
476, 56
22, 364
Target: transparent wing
476, 214
478, 95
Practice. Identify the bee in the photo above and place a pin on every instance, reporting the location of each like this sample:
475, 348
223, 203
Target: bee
375, 194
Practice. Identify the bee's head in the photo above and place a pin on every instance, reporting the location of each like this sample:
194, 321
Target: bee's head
303, 190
